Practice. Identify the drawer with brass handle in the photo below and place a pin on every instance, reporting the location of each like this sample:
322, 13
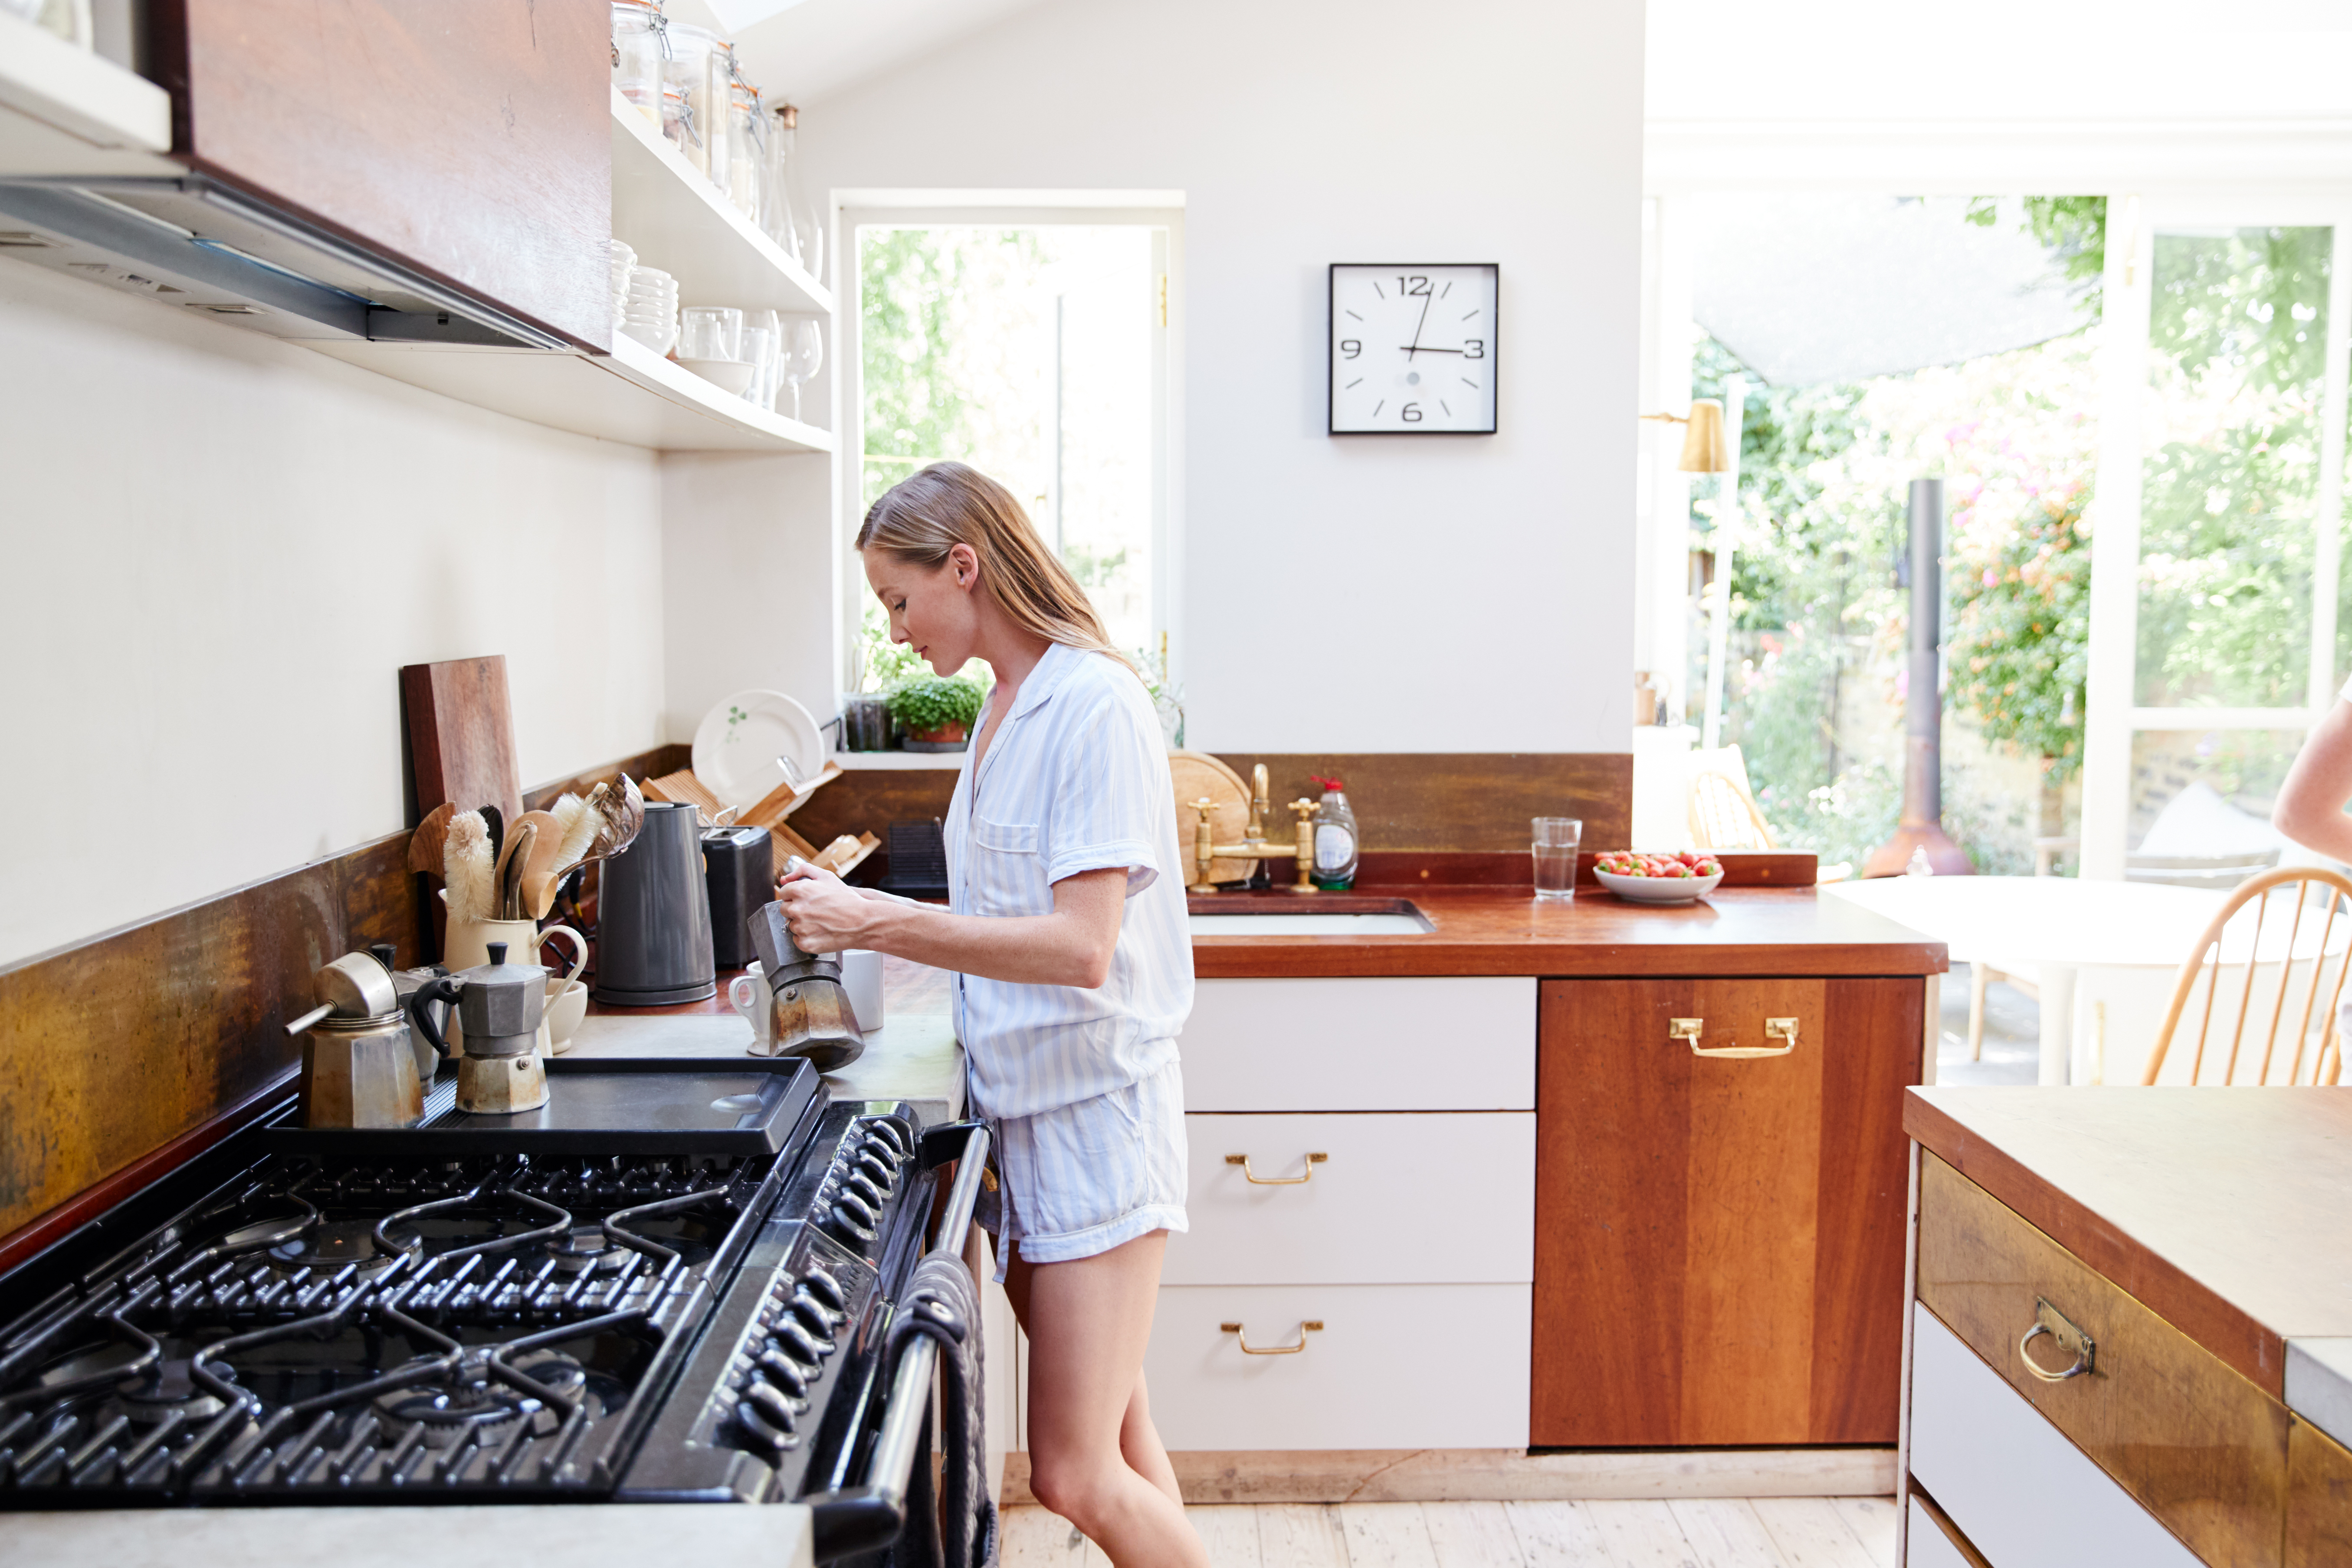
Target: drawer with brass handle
1333, 1366
1301, 1199
2195, 1444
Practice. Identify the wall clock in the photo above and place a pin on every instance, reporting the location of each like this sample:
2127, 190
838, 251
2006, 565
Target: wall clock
1412, 349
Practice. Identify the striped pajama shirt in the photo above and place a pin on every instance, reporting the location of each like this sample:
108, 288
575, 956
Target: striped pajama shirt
1083, 1086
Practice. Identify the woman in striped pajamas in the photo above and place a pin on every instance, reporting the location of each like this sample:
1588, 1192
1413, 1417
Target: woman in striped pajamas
1073, 967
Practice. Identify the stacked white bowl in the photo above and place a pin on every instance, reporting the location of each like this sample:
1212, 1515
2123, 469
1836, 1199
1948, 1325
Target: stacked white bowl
650, 313
624, 261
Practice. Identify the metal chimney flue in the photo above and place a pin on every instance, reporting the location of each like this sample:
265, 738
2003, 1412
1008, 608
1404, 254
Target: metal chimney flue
1923, 706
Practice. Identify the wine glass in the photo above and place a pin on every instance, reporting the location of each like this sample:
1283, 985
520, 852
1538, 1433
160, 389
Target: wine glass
803, 353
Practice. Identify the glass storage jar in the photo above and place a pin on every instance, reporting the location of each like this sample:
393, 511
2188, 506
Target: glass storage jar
746, 170
687, 117
637, 50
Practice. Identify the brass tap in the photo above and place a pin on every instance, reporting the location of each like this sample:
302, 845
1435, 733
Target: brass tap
1206, 850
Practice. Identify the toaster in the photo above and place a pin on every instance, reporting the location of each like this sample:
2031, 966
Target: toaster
737, 865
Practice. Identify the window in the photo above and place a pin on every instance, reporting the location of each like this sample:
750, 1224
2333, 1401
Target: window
1032, 347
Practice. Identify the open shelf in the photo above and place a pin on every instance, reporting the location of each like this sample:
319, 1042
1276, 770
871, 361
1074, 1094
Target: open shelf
67, 112
676, 220
632, 395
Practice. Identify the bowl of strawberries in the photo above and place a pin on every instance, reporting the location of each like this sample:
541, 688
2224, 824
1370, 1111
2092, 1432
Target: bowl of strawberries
1678, 876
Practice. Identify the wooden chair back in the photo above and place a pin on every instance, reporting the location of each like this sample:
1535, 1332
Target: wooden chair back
2298, 982
1722, 815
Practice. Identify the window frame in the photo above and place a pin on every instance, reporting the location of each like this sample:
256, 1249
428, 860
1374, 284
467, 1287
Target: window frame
1160, 210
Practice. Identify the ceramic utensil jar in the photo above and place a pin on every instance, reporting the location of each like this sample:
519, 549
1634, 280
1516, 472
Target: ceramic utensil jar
502, 1006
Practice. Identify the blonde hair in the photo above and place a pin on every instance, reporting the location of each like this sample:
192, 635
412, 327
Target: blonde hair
927, 514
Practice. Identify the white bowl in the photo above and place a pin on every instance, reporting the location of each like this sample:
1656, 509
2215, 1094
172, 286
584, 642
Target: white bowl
730, 375
1658, 889
657, 338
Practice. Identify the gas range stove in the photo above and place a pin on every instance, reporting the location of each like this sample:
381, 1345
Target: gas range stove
273, 1327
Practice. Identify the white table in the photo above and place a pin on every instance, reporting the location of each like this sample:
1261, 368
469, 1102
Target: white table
2049, 930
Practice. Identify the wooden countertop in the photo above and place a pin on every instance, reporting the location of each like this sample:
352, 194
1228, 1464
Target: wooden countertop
1505, 931
2221, 1210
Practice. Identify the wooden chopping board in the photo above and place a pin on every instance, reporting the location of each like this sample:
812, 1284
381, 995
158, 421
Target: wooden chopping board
1197, 774
461, 734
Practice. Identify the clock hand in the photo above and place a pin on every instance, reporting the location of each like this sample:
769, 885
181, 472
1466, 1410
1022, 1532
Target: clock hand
1415, 346
1424, 350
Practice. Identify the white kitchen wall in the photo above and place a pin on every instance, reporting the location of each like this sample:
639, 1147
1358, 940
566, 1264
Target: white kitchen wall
747, 547
1450, 593
217, 550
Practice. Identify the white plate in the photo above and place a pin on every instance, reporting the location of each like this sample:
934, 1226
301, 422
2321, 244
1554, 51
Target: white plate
738, 741
1652, 889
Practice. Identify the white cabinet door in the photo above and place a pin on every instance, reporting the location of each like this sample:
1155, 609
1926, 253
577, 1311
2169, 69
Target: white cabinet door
1423, 1199
2016, 1487
1393, 1366
1449, 1043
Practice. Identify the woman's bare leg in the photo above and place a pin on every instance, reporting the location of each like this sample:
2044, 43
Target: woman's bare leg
1089, 1423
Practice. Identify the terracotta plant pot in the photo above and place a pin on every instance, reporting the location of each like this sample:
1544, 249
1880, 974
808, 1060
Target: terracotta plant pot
946, 737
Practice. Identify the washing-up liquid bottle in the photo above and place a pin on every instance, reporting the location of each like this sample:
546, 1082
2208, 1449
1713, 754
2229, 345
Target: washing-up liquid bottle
1337, 849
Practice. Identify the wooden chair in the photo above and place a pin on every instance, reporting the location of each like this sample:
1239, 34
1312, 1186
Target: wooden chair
1723, 813
2314, 889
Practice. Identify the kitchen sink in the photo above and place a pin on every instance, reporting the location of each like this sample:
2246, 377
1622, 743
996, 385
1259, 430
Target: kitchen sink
1287, 914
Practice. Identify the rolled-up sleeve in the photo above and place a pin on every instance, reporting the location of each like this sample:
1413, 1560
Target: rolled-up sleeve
1106, 798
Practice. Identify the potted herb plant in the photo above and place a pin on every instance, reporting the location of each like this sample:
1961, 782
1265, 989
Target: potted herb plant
936, 711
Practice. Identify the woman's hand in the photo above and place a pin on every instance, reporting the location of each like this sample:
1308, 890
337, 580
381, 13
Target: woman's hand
825, 913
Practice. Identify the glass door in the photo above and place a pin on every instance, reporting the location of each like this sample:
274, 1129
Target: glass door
2215, 613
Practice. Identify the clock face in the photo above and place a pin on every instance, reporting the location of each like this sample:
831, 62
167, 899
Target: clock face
1412, 349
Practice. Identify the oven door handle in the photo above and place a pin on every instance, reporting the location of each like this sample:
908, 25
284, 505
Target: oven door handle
864, 1518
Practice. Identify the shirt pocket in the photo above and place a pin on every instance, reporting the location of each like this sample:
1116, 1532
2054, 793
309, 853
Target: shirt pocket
1008, 873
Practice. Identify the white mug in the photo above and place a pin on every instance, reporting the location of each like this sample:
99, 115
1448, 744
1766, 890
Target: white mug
749, 995
861, 977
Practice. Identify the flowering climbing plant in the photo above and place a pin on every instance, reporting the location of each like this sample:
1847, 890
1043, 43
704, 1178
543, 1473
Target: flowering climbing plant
2019, 643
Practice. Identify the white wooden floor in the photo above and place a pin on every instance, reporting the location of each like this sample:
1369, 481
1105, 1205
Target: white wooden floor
1765, 1532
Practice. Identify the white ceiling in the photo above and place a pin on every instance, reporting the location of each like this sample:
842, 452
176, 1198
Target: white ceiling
800, 50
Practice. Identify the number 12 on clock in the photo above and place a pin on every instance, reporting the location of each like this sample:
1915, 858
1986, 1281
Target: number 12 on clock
1412, 349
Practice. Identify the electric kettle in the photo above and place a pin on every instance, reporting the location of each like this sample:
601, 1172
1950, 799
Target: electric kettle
653, 915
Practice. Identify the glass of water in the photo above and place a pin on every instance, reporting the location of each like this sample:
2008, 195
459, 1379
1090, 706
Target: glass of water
1556, 838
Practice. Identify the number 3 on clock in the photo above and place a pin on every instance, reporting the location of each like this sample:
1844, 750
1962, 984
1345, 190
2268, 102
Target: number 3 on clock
1412, 349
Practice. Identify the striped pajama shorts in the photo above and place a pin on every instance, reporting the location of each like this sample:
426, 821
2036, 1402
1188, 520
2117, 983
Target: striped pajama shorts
1081, 1178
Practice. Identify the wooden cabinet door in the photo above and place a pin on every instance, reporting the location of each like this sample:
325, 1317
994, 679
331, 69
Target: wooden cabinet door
1719, 1241
469, 139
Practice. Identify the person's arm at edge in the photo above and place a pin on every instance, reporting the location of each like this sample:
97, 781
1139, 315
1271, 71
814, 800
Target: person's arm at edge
1072, 946
2310, 808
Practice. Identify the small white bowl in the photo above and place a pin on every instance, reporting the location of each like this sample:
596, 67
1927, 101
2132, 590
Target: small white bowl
567, 1003
1658, 889
730, 375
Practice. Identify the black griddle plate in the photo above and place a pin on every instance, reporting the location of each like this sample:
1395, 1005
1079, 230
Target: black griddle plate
666, 1105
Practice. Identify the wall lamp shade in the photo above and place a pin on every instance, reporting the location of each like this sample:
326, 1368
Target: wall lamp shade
1705, 450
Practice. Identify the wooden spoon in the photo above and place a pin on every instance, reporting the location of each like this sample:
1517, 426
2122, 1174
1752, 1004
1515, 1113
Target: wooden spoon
538, 862
519, 846
429, 843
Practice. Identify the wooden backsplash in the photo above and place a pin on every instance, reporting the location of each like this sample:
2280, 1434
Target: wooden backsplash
125, 1045
117, 1046
1438, 804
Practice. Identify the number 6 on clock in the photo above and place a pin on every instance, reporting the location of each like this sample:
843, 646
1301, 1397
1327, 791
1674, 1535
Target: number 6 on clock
1412, 349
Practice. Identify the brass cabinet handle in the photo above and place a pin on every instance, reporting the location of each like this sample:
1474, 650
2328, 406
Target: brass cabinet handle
1256, 1180
1311, 1326
1781, 1029
2049, 1319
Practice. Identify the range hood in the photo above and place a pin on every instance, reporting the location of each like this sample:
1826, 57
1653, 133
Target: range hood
196, 243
